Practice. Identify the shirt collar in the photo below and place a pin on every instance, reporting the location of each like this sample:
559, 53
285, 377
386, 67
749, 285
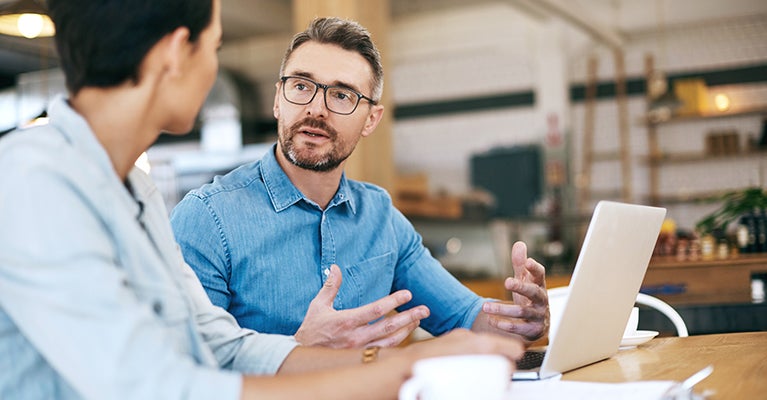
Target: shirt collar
284, 194
343, 195
76, 131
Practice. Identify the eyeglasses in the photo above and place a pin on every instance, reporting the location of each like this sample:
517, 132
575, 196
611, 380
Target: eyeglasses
338, 99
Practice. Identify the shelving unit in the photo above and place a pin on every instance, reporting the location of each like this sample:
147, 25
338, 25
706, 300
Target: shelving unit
657, 158
708, 115
621, 154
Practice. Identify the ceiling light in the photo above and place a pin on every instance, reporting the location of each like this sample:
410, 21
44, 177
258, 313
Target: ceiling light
722, 102
25, 18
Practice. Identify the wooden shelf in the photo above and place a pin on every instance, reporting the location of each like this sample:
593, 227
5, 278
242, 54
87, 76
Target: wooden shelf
605, 194
606, 156
695, 197
680, 158
711, 114
741, 259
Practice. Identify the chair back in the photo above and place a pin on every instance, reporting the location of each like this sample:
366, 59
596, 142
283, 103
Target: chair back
558, 298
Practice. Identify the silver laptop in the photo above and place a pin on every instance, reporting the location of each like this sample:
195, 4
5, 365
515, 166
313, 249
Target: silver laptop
604, 285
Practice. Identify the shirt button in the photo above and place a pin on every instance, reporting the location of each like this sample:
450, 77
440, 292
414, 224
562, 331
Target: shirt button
157, 307
341, 196
326, 272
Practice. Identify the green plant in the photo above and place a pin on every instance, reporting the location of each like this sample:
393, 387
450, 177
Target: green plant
734, 204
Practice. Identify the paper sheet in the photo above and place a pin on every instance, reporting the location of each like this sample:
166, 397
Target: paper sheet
556, 389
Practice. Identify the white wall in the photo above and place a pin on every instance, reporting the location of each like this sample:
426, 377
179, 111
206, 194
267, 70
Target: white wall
492, 48
476, 51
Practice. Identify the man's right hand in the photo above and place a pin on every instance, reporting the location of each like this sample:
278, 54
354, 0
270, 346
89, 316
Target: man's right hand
325, 326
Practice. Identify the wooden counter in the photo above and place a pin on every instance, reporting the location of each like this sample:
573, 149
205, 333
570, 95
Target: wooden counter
703, 282
676, 282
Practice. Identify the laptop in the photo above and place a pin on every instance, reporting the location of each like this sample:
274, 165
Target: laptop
603, 287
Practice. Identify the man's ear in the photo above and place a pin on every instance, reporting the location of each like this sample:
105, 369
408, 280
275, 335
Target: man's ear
276, 105
372, 120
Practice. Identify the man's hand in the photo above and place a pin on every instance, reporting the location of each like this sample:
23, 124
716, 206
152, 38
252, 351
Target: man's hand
325, 326
528, 316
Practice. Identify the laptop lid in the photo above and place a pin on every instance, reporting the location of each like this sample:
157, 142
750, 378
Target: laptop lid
608, 273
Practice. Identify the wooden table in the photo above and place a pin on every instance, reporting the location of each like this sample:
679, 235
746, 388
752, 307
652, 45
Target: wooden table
739, 360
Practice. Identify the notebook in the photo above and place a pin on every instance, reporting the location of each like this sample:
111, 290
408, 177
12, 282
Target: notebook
608, 273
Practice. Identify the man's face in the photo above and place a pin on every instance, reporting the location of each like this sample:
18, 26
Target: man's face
311, 136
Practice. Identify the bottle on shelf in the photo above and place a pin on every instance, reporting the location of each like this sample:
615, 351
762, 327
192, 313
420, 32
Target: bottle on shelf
760, 231
742, 234
751, 247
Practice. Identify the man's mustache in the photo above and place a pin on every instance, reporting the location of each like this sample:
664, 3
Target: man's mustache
313, 123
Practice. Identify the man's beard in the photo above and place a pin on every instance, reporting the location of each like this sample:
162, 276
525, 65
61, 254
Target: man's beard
305, 159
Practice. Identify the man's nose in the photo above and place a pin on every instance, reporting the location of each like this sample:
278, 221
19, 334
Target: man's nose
317, 106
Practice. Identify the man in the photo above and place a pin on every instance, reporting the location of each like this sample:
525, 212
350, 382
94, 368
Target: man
264, 238
96, 301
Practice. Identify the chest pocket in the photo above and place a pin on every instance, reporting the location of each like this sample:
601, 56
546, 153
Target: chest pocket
368, 280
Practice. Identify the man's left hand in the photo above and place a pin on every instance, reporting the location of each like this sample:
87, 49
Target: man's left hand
527, 317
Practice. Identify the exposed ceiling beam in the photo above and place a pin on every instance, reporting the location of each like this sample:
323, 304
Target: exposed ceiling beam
567, 11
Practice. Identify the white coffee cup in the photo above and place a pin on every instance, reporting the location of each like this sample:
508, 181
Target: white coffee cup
633, 323
463, 377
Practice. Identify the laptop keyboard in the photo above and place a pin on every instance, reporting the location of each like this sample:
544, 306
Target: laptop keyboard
531, 359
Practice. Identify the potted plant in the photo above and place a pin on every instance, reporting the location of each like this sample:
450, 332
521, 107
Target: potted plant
734, 205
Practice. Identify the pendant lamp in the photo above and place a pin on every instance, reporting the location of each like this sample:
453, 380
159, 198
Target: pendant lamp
25, 18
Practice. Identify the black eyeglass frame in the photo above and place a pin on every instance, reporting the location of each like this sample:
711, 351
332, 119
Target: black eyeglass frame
325, 88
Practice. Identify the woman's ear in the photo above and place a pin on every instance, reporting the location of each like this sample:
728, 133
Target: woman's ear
176, 49
166, 58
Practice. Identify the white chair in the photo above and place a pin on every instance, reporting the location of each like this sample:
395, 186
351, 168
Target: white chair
558, 296
665, 309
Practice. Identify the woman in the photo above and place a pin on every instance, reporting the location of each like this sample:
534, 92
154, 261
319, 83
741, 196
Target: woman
95, 298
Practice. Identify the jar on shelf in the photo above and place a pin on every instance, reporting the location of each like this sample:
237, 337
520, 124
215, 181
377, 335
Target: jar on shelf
722, 249
694, 253
707, 244
682, 249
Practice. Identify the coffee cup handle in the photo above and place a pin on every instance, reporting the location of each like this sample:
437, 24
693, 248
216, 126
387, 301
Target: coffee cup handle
411, 389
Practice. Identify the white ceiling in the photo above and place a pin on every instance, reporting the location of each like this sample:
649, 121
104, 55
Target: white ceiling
623, 18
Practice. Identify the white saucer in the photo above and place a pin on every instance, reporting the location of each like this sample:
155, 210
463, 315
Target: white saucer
637, 338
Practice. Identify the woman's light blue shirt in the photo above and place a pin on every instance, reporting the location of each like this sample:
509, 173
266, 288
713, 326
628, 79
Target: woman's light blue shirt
95, 298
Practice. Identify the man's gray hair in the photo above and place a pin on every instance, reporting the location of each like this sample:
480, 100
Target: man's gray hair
347, 34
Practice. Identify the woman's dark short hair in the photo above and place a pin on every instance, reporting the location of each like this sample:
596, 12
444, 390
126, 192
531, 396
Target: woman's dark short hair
103, 42
349, 35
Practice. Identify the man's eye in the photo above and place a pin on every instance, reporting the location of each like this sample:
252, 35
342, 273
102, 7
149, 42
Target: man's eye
342, 96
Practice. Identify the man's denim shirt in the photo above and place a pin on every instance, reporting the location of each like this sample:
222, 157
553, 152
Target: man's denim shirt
262, 250
95, 298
